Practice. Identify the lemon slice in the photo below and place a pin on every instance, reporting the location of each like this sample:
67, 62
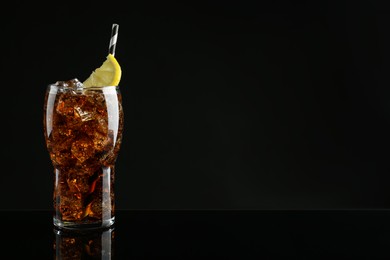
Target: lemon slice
108, 74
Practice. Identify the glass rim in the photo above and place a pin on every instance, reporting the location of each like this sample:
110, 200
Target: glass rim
55, 88
55, 85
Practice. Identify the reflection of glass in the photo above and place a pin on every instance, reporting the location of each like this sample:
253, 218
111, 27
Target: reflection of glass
83, 131
84, 245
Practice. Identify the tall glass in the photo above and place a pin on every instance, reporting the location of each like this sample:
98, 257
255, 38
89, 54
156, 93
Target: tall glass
83, 132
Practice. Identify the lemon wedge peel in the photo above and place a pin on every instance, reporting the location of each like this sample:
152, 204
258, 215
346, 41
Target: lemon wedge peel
108, 74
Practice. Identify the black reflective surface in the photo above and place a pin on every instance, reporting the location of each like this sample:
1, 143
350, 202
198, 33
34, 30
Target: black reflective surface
27, 234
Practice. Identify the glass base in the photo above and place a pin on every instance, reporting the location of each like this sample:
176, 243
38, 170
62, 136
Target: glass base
83, 226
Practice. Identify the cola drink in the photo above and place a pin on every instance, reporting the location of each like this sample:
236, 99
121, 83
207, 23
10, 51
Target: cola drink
83, 132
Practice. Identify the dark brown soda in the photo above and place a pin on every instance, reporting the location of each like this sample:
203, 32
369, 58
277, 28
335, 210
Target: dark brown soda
83, 132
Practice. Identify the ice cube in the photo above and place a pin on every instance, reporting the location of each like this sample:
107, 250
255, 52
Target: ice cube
102, 125
83, 149
84, 115
59, 148
71, 86
65, 106
78, 186
76, 85
101, 142
71, 208
73, 83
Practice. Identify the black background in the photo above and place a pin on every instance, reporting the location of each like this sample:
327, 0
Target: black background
281, 105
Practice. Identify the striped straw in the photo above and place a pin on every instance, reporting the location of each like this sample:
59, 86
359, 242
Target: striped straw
114, 37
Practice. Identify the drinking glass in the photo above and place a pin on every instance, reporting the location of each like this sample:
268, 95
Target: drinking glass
83, 132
